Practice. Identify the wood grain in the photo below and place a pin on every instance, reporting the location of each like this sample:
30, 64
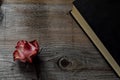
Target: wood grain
39, 1
58, 35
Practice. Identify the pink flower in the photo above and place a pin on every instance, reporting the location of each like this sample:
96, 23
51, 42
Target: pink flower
25, 50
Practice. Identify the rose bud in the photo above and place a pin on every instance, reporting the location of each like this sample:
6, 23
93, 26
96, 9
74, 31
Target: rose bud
25, 50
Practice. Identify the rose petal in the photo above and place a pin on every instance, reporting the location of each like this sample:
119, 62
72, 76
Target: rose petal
18, 56
35, 43
25, 50
20, 43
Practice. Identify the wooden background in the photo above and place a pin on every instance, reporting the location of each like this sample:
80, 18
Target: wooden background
67, 53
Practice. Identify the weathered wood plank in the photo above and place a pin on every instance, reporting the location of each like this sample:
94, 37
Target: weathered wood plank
40, 1
62, 40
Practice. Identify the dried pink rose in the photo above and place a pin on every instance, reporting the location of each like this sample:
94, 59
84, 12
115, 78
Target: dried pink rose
25, 50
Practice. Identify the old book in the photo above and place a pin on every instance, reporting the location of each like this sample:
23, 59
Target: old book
100, 20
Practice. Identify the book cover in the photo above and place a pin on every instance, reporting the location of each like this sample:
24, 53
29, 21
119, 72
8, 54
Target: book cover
100, 21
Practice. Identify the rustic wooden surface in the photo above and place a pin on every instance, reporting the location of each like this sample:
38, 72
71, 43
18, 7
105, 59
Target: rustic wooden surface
67, 53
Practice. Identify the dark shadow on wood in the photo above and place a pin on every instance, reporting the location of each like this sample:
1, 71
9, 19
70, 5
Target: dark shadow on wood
37, 62
27, 69
33, 67
1, 14
1, 1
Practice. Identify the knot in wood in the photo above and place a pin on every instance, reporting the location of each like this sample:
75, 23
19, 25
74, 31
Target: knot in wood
66, 63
